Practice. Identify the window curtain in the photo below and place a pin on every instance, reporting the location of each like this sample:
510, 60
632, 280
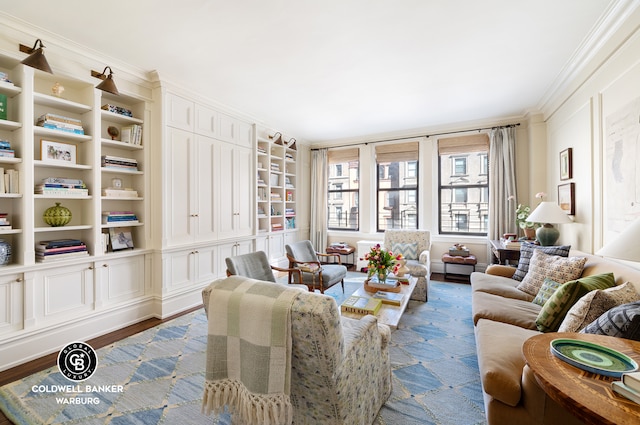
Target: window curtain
502, 182
318, 225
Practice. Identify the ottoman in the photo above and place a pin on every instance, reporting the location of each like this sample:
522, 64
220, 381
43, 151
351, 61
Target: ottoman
469, 261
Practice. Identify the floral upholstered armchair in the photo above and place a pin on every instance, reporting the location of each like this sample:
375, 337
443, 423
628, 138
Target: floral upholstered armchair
415, 247
340, 367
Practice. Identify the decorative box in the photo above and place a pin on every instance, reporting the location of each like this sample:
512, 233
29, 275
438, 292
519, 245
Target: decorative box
459, 252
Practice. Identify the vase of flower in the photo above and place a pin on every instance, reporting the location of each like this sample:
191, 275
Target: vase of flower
381, 262
382, 275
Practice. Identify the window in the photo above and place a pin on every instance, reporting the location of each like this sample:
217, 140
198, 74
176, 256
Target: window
343, 184
397, 186
464, 185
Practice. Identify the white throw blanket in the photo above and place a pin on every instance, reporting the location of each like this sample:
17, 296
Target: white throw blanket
248, 366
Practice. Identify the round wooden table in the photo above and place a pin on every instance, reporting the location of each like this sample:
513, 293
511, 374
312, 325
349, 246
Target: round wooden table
587, 395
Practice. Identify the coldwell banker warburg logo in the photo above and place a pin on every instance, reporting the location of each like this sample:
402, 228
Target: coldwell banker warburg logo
77, 361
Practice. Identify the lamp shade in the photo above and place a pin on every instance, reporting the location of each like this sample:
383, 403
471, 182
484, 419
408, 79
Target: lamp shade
36, 57
625, 246
548, 212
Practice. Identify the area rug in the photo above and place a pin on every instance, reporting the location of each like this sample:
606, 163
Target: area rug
435, 372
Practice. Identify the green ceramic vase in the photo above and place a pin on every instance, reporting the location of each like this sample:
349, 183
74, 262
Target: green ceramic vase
57, 216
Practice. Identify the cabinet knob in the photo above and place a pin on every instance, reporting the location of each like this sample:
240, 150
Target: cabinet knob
90, 267
105, 265
195, 215
19, 279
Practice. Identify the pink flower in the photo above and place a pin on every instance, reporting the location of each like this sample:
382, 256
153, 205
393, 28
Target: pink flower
541, 195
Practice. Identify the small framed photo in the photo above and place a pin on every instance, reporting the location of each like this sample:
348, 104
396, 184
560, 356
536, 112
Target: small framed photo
57, 152
120, 238
566, 198
566, 166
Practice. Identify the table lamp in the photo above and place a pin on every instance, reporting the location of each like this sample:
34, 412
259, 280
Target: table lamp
625, 246
548, 213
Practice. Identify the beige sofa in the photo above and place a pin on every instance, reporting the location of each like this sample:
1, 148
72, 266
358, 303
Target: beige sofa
504, 318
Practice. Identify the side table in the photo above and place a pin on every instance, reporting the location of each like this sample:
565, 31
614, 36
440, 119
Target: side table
459, 260
502, 255
345, 250
586, 395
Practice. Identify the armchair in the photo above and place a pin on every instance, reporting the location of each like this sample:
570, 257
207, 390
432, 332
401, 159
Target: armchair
256, 266
340, 367
414, 245
303, 256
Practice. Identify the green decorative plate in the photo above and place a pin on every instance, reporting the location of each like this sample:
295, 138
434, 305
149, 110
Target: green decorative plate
592, 357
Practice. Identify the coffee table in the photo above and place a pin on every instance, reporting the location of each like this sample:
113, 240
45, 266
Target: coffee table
388, 314
587, 395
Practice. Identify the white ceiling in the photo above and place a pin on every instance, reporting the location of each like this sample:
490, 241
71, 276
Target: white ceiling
338, 69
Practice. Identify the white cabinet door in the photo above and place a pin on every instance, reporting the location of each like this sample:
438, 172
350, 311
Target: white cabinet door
235, 188
276, 246
180, 181
180, 112
205, 264
120, 279
228, 128
11, 302
206, 153
245, 135
207, 121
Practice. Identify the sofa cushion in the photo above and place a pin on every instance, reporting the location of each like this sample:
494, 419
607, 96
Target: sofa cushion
622, 321
526, 252
408, 250
554, 267
498, 285
547, 289
555, 309
500, 359
520, 313
596, 303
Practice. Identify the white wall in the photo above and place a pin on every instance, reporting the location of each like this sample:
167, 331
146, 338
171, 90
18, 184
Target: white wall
579, 122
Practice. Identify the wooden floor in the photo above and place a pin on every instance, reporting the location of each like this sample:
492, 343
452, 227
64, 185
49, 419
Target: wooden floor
26, 369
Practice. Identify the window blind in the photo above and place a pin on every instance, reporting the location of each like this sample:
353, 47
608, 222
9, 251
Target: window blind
397, 152
463, 144
340, 156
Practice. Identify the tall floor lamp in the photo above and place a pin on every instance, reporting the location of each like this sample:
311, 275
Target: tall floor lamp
548, 213
625, 246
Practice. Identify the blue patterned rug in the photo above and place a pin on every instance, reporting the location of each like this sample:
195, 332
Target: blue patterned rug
436, 378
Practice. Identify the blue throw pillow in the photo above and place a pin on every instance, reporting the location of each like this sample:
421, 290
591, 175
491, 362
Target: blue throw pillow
622, 321
526, 252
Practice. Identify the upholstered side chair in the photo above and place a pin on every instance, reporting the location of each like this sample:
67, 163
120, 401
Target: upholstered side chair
256, 266
340, 367
415, 246
315, 274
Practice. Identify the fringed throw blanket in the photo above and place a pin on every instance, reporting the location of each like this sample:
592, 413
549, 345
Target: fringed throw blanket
248, 365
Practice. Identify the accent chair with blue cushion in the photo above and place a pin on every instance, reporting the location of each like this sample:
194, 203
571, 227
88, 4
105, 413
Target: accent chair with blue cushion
303, 256
415, 247
256, 266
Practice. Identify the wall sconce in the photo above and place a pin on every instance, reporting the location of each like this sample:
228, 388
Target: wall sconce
107, 84
36, 57
277, 137
292, 143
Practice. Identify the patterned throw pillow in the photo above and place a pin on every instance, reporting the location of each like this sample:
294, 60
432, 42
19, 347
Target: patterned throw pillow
557, 268
408, 250
547, 289
555, 309
526, 252
622, 321
596, 303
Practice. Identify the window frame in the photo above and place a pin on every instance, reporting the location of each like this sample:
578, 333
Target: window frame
339, 193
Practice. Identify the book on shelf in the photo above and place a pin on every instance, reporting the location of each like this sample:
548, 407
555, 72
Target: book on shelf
56, 118
60, 191
47, 259
8, 180
119, 193
5, 224
625, 391
117, 110
131, 134
392, 298
118, 162
360, 305
57, 243
119, 217
3, 106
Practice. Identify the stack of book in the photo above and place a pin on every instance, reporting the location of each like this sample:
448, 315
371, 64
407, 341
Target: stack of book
60, 122
361, 305
629, 386
276, 226
117, 110
47, 251
5, 149
119, 193
391, 298
289, 212
131, 134
60, 186
120, 218
507, 244
4, 222
109, 161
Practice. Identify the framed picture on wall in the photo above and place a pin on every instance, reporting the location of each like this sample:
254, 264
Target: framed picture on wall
566, 198
566, 166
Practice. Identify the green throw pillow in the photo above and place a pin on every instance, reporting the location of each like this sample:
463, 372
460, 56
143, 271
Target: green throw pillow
546, 291
555, 309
